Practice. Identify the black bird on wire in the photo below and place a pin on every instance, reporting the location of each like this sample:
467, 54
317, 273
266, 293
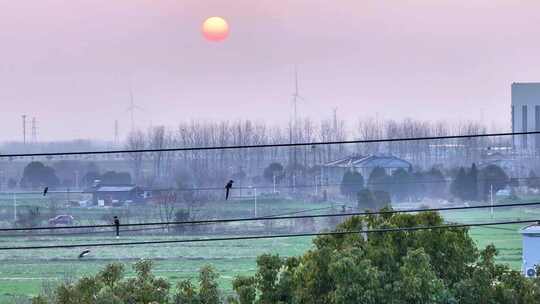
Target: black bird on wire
45, 191
228, 188
84, 253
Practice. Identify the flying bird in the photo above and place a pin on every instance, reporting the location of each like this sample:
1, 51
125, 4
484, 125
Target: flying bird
45, 191
84, 253
228, 189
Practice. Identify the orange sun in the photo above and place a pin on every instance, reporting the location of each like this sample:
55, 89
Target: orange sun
215, 29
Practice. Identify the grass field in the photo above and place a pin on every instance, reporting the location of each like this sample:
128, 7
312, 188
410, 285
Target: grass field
22, 272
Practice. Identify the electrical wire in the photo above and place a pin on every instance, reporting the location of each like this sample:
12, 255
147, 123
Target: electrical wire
282, 145
275, 236
214, 221
435, 181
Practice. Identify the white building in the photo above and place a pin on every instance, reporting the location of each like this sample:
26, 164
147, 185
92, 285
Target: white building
526, 115
531, 250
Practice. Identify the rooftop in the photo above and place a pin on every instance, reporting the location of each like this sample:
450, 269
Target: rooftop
112, 188
531, 230
371, 161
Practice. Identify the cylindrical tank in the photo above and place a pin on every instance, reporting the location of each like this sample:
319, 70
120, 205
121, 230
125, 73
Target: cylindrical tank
531, 249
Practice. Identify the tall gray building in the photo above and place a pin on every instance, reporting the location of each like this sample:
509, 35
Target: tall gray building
526, 115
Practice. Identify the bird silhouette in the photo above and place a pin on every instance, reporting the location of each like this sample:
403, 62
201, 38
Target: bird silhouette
84, 253
228, 189
45, 191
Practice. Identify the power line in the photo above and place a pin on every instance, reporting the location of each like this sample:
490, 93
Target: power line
275, 236
235, 147
144, 229
273, 218
433, 181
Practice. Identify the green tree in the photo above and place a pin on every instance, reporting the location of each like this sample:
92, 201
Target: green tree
458, 187
378, 179
208, 292
116, 178
533, 181
37, 175
471, 184
435, 183
426, 266
366, 200
493, 176
273, 170
418, 282
12, 183
352, 183
373, 200
400, 184
245, 289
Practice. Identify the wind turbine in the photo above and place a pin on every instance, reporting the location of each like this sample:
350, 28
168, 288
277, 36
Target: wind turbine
132, 107
296, 97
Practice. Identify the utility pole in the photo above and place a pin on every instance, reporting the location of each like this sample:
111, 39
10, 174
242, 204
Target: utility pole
34, 130
14, 208
491, 198
24, 128
255, 199
77, 179
296, 97
316, 186
274, 180
131, 109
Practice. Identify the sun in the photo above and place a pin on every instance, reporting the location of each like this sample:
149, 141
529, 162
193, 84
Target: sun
215, 29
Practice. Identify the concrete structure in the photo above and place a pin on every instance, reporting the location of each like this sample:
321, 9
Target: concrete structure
531, 249
526, 115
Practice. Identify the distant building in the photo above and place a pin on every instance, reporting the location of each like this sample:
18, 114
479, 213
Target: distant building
504, 161
526, 115
334, 170
108, 195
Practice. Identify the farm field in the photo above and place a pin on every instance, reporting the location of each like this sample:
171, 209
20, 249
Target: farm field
22, 272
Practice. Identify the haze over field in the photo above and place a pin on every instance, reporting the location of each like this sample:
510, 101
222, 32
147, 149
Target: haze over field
70, 63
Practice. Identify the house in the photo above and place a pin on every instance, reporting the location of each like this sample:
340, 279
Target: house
108, 195
334, 170
511, 166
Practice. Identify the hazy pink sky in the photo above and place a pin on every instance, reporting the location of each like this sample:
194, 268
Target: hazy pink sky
69, 63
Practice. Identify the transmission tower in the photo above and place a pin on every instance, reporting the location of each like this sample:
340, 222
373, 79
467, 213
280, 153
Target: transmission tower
24, 128
34, 130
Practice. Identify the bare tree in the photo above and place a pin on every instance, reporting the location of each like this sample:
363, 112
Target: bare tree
166, 202
136, 141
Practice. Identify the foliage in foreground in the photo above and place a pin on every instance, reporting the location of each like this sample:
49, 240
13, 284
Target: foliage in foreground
429, 266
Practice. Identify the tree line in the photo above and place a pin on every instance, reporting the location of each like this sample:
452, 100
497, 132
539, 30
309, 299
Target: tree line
463, 183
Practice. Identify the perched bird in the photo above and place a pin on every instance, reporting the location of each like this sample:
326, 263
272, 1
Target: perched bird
228, 189
117, 226
84, 253
45, 191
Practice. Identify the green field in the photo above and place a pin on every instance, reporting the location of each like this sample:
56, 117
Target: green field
22, 272
505, 237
